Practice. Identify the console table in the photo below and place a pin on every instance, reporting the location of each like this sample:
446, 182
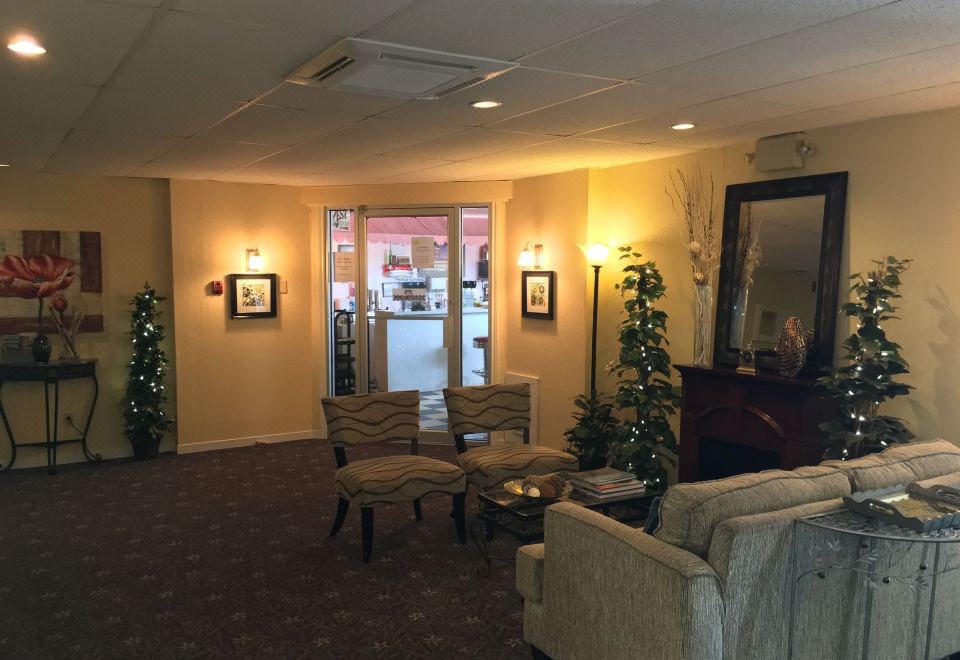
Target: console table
894, 570
731, 423
50, 375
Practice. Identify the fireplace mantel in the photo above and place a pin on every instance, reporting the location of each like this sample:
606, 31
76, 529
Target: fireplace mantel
733, 423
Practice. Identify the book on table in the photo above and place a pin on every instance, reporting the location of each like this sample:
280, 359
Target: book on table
606, 484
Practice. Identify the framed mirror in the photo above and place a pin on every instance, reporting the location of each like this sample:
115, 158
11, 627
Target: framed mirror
781, 257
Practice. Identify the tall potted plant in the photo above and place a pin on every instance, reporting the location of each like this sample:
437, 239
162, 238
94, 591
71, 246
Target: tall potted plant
642, 442
590, 437
146, 421
873, 363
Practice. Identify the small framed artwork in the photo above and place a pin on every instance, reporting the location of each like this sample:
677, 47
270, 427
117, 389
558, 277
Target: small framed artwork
253, 296
538, 291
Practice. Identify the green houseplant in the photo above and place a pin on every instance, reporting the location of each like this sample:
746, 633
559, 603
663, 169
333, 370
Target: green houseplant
641, 444
590, 437
145, 419
873, 363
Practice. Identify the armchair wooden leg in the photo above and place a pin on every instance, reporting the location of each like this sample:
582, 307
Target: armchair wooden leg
537, 654
459, 515
417, 511
453, 513
366, 522
342, 506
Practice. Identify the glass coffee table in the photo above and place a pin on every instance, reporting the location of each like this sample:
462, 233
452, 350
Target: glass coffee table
522, 517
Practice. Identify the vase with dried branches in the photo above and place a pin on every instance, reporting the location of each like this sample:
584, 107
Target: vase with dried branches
693, 201
67, 326
746, 262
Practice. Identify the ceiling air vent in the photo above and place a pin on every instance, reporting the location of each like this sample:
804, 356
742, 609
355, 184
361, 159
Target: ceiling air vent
361, 66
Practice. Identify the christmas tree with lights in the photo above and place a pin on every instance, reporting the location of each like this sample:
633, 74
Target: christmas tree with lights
143, 412
874, 362
641, 444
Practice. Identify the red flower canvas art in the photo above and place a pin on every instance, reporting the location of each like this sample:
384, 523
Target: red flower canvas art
40, 269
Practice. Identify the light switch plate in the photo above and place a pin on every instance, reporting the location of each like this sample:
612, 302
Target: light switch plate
283, 286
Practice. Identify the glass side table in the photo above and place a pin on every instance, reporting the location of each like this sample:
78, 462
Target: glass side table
847, 550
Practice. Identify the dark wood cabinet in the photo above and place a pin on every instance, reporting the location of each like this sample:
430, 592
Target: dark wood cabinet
731, 423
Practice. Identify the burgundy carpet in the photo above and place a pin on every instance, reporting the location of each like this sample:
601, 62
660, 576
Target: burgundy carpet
226, 555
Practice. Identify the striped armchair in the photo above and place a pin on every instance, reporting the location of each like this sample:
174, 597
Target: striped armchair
371, 418
489, 408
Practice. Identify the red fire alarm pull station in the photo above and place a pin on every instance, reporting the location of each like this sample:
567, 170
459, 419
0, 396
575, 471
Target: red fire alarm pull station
216, 287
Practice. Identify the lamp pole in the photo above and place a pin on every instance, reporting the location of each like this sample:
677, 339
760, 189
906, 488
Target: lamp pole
593, 337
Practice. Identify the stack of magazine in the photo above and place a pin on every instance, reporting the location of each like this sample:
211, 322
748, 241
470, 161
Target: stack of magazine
605, 484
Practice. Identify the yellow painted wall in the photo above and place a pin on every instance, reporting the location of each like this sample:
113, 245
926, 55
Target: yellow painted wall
902, 200
551, 210
132, 217
249, 378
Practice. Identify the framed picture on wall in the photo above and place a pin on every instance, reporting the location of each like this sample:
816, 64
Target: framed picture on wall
538, 292
253, 296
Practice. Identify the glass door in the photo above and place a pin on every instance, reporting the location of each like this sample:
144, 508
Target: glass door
406, 266
475, 350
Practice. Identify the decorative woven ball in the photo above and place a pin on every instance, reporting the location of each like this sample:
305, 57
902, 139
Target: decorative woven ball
792, 347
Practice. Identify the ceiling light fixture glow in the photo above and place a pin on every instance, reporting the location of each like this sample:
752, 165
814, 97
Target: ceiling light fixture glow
4, 164
683, 126
485, 104
26, 46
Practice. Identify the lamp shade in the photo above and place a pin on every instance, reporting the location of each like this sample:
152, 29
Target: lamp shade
526, 258
597, 254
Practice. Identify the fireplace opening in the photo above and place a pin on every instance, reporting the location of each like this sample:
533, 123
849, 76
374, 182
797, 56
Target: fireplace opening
717, 459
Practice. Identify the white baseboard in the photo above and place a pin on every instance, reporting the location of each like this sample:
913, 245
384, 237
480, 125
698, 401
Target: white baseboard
229, 443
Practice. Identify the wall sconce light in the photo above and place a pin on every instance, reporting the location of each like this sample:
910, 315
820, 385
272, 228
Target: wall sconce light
530, 259
254, 260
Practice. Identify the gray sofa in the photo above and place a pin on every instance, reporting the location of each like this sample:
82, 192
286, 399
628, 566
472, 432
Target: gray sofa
715, 579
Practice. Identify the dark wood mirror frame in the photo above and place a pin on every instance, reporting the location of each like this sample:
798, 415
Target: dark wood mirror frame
833, 187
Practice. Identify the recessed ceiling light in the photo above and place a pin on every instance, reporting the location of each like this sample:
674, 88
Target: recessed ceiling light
486, 104
4, 164
683, 126
27, 46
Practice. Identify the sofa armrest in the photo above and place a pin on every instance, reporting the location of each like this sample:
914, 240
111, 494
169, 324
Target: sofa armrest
611, 591
530, 572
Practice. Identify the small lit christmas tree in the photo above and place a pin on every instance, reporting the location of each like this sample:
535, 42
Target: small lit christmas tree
643, 365
143, 408
874, 361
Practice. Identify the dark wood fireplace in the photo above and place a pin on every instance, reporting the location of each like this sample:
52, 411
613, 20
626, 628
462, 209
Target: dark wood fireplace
732, 423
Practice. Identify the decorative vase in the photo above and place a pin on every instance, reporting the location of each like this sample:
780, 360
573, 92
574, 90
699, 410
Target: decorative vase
702, 322
739, 316
41, 349
792, 347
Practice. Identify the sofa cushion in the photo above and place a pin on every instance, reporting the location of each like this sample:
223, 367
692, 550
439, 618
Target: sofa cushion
690, 512
900, 464
952, 480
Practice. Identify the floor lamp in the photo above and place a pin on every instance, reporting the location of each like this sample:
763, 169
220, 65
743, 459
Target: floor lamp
596, 256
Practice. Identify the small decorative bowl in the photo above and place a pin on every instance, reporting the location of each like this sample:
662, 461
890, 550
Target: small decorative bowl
516, 487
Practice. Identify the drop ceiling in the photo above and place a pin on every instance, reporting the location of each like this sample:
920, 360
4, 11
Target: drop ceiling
194, 88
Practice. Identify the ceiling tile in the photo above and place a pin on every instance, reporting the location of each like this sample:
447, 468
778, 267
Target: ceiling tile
305, 159
379, 167
379, 136
324, 16
625, 102
107, 154
50, 105
878, 34
919, 100
520, 90
28, 150
666, 34
216, 60
157, 114
200, 157
709, 116
502, 30
470, 144
85, 41
305, 97
900, 74
263, 124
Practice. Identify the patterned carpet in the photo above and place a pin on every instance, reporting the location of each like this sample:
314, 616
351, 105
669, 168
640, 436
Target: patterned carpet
225, 555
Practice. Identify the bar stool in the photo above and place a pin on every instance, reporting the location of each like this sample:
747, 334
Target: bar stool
483, 343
